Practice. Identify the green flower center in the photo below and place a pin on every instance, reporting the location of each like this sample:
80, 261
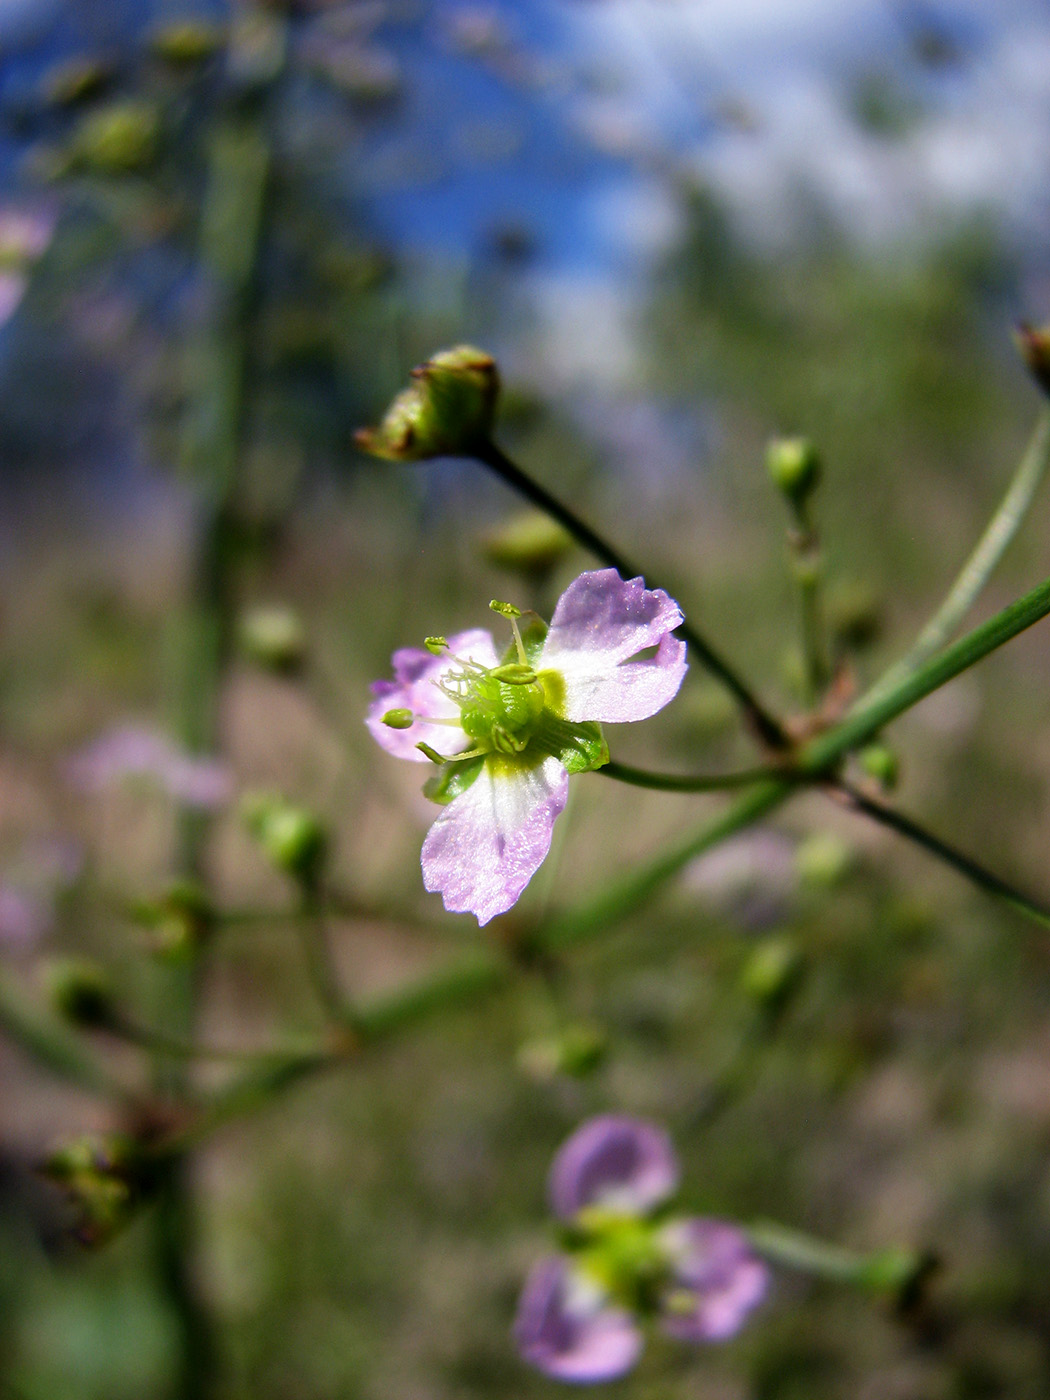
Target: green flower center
500, 708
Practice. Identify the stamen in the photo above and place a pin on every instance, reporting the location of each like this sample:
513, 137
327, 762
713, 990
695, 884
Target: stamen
436, 645
511, 613
399, 719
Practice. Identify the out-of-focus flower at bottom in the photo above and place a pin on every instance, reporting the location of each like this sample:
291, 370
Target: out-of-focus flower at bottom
581, 1313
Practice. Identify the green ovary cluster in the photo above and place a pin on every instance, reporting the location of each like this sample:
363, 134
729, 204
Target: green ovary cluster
499, 709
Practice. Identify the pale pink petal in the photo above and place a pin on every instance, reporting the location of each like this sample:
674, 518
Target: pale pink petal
601, 621
567, 1328
718, 1280
622, 1163
487, 843
414, 687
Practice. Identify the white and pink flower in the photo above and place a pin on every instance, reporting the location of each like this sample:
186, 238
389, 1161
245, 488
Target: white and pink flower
508, 731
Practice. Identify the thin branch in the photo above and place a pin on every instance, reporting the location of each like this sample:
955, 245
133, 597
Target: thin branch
766, 726
688, 782
972, 870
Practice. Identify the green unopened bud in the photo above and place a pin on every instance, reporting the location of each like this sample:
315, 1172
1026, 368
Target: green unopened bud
577, 1052
854, 613
76, 80
80, 992
274, 637
896, 1273
399, 719
531, 543
448, 409
292, 837
105, 1178
794, 467
772, 972
119, 138
881, 763
823, 859
179, 920
1034, 344
187, 41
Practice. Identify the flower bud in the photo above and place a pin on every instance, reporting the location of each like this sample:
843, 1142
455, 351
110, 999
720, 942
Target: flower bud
186, 41
772, 972
881, 763
447, 410
794, 467
77, 80
530, 543
119, 138
1033, 342
179, 921
292, 837
80, 992
274, 637
823, 859
577, 1052
105, 1179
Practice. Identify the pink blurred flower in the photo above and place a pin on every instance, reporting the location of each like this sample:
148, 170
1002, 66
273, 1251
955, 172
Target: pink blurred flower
509, 731
131, 751
580, 1313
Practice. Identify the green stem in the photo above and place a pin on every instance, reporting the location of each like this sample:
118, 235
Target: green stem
231, 233
320, 966
971, 869
807, 567
685, 782
765, 725
885, 705
975, 573
889, 1272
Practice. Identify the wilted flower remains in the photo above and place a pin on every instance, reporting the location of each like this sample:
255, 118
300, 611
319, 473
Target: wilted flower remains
507, 731
580, 1314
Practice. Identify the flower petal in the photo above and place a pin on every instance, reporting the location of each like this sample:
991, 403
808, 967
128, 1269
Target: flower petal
488, 842
566, 1327
623, 1163
600, 622
414, 688
718, 1279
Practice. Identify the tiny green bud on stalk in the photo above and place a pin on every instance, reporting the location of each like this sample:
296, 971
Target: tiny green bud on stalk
881, 763
292, 837
120, 138
794, 466
105, 1178
274, 637
529, 544
80, 992
823, 860
772, 972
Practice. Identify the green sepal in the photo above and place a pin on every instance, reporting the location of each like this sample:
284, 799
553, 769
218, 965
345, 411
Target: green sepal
453, 779
580, 748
